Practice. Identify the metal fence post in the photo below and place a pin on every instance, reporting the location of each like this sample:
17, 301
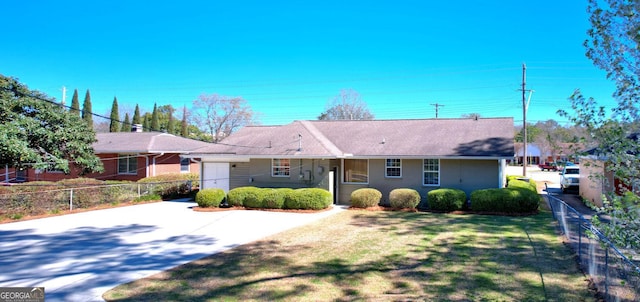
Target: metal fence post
606, 270
579, 240
71, 199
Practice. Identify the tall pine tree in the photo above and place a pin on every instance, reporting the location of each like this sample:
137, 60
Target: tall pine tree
155, 123
171, 123
136, 116
87, 115
126, 125
114, 123
75, 104
183, 128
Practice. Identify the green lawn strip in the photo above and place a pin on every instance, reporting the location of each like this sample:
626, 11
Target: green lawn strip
360, 255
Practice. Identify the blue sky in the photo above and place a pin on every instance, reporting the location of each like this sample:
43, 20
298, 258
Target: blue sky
287, 59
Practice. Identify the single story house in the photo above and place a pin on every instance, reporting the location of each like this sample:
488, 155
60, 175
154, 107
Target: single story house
126, 156
342, 156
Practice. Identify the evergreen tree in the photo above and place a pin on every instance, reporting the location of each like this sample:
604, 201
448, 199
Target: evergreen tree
155, 123
40, 134
136, 116
126, 125
146, 123
114, 123
86, 110
183, 130
171, 123
75, 104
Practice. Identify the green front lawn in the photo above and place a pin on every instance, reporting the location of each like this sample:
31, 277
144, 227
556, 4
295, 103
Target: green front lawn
382, 256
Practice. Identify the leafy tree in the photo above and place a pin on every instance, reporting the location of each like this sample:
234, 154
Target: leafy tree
155, 123
87, 113
126, 125
114, 122
532, 134
220, 116
348, 105
613, 44
146, 121
39, 133
75, 104
137, 120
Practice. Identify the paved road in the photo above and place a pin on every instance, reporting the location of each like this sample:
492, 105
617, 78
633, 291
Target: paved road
80, 256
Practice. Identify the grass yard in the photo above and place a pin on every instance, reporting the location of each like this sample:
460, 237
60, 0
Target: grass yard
382, 256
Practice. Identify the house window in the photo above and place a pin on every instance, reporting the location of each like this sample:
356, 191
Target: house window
393, 168
127, 164
185, 164
356, 170
280, 167
431, 172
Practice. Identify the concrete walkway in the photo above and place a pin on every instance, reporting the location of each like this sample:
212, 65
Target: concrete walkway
78, 257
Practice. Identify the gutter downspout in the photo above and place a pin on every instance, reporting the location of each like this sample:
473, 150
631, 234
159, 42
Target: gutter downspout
154, 162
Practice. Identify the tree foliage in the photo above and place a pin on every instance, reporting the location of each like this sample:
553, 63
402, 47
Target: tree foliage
126, 124
613, 44
347, 105
36, 132
75, 103
114, 122
87, 111
220, 116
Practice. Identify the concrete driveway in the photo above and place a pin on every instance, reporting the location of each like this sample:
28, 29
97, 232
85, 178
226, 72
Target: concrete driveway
78, 257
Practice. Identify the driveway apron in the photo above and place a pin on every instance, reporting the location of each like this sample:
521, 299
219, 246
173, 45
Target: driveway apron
78, 257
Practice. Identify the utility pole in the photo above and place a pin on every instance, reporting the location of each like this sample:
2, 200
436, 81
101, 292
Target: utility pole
64, 95
437, 106
524, 120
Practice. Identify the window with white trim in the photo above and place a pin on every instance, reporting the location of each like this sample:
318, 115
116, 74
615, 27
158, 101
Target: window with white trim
356, 171
127, 164
393, 168
431, 172
280, 167
185, 165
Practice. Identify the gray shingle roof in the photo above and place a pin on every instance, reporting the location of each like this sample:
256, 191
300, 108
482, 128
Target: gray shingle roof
484, 137
144, 142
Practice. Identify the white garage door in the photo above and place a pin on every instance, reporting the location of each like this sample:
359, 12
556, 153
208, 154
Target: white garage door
215, 175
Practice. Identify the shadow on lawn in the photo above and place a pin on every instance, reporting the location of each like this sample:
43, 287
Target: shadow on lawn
436, 267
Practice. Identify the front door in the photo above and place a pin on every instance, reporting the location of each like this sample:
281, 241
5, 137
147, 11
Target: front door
215, 175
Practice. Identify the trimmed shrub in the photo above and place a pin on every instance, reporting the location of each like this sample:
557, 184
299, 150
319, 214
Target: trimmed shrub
273, 198
308, 199
365, 198
253, 198
171, 185
529, 185
446, 199
236, 196
404, 198
210, 198
508, 200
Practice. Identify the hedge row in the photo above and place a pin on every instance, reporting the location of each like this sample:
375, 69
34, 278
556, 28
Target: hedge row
398, 198
518, 197
268, 198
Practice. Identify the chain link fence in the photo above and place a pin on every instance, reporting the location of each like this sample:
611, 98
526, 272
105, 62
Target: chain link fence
21, 201
614, 275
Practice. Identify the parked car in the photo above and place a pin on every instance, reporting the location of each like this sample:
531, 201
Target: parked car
570, 178
548, 166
